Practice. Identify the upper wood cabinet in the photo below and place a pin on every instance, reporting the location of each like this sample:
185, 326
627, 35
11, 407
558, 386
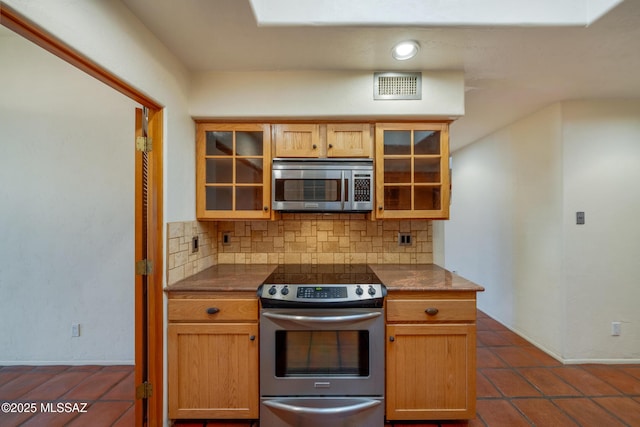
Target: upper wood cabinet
322, 140
348, 140
233, 171
412, 170
297, 140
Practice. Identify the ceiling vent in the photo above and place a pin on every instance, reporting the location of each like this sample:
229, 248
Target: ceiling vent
397, 85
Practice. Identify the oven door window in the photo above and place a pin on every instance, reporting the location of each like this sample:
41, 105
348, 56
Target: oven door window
322, 353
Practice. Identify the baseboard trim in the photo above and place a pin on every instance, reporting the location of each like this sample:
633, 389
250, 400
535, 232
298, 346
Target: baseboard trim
562, 359
601, 361
127, 362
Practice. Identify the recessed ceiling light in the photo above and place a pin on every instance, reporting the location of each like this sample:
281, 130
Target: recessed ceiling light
405, 50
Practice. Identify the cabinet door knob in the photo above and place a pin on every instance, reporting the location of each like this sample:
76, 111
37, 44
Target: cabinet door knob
252, 337
392, 339
380, 207
266, 208
212, 310
431, 311
330, 145
314, 146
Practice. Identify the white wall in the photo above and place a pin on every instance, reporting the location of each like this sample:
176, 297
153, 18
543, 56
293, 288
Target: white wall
512, 227
109, 34
319, 94
601, 258
78, 257
67, 213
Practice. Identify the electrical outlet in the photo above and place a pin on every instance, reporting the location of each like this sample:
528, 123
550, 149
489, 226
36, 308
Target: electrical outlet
194, 244
404, 239
226, 239
580, 218
616, 328
75, 330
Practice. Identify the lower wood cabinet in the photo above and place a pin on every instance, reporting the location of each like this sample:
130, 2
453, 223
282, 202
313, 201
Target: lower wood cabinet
213, 355
431, 357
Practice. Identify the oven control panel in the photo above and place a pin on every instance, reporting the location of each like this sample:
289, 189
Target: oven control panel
325, 294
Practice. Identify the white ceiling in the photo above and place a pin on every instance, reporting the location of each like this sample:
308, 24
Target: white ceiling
510, 71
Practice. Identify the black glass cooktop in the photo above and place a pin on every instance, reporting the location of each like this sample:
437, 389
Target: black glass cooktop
322, 274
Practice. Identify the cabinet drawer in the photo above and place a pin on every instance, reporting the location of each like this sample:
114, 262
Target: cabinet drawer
426, 310
212, 310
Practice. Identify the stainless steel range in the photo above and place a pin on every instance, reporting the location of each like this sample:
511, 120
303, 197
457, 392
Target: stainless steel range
322, 347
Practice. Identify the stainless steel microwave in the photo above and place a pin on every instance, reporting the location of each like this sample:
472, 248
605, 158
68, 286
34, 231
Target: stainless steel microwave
322, 185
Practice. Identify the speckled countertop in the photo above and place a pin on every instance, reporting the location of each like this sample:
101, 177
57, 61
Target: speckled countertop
396, 277
425, 277
225, 278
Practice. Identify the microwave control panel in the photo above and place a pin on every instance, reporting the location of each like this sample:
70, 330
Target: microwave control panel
362, 188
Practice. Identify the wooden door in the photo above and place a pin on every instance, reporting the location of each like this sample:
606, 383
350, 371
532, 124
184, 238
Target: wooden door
148, 259
349, 140
430, 371
213, 370
297, 140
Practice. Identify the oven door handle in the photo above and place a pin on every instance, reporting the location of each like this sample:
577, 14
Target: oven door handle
342, 410
323, 319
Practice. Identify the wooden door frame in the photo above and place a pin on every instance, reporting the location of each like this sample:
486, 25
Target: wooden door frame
21, 25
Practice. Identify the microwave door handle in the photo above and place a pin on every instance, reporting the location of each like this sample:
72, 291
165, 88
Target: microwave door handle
342, 410
322, 319
342, 190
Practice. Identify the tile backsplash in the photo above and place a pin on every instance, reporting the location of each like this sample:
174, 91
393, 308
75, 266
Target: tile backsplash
295, 239
323, 239
182, 262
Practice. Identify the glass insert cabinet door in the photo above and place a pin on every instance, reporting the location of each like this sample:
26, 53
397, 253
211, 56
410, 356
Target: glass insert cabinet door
232, 171
412, 170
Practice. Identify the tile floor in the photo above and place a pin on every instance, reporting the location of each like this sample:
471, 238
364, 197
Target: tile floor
108, 392
517, 385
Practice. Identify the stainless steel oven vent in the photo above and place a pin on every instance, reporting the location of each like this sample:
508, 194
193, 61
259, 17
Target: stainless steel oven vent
397, 85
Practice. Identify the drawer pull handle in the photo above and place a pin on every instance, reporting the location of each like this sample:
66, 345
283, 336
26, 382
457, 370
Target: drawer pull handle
252, 337
431, 311
212, 310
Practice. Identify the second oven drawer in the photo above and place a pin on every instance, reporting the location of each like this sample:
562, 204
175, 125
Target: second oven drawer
426, 310
212, 310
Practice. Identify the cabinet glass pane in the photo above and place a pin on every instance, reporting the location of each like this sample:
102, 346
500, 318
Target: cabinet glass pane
249, 198
397, 198
397, 142
219, 171
249, 143
427, 198
219, 143
218, 198
426, 142
249, 171
397, 170
426, 170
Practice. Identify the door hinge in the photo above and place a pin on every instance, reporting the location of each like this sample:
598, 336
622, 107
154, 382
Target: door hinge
144, 267
144, 144
144, 390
